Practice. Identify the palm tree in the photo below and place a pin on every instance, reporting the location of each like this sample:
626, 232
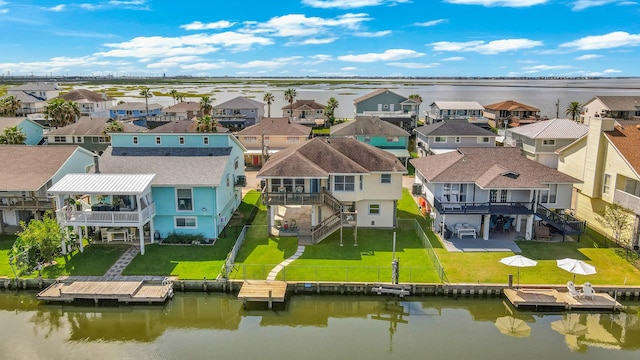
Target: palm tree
174, 95
60, 112
113, 126
10, 105
330, 109
146, 93
13, 135
573, 110
206, 105
269, 98
180, 97
206, 124
289, 95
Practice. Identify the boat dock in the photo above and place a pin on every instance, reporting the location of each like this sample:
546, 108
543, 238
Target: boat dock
552, 298
393, 289
123, 289
263, 291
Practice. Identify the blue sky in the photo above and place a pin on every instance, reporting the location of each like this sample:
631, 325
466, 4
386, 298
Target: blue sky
321, 38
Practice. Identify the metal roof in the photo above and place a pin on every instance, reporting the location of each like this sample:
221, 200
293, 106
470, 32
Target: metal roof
124, 184
552, 129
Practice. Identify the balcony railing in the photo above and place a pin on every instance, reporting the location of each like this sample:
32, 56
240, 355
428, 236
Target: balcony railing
99, 218
291, 198
28, 202
483, 207
627, 200
388, 114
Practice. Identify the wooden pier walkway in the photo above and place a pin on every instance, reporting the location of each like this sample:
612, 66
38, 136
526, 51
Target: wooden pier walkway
263, 291
550, 298
123, 289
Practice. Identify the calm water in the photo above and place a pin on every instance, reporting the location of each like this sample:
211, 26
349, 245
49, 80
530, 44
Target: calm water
200, 326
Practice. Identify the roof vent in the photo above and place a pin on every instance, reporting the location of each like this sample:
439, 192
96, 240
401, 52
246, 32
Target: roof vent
510, 174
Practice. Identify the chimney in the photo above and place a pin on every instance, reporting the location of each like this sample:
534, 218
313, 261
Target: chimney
96, 165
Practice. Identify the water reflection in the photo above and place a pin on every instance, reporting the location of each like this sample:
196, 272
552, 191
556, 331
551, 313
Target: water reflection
391, 326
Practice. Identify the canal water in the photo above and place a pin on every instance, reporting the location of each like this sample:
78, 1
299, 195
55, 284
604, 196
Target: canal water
216, 326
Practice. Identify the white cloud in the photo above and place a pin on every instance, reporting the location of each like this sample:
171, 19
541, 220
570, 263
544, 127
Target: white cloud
197, 25
487, 48
454, 58
313, 41
173, 62
538, 68
57, 65
87, 6
301, 25
611, 71
349, 68
387, 55
56, 8
430, 23
348, 4
606, 41
588, 57
373, 34
265, 64
4, 11
413, 65
585, 4
500, 3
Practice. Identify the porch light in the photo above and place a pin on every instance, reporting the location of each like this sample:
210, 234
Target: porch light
204, 209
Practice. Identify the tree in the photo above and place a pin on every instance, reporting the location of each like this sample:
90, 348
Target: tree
289, 95
174, 95
206, 124
329, 110
206, 105
573, 110
619, 220
146, 93
113, 126
60, 112
10, 105
269, 99
13, 135
416, 97
41, 238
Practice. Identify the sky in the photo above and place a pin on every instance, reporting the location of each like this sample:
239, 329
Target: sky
319, 38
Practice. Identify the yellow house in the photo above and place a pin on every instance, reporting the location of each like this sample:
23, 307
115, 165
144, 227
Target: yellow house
607, 160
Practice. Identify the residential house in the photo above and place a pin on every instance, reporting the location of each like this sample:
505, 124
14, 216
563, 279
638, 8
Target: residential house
184, 126
134, 111
373, 131
305, 112
389, 106
540, 140
90, 103
27, 174
238, 113
487, 188
615, 107
470, 111
270, 136
30, 128
33, 96
184, 110
607, 161
87, 132
510, 113
317, 187
194, 179
449, 135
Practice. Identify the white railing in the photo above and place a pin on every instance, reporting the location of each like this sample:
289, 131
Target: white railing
93, 218
627, 200
389, 113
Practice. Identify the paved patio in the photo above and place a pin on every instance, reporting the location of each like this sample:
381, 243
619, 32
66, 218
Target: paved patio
475, 245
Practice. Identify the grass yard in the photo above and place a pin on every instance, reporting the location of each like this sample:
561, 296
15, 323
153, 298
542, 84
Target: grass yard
6, 241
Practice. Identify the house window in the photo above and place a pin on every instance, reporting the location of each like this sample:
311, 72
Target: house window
385, 178
344, 183
483, 140
228, 181
457, 139
299, 185
361, 182
158, 140
265, 140
205, 140
293, 140
606, 184
134, 140
441, 139
497, 196
549, 195
78, 139
393, 139
549, 142
181, 140
455, 192
250, 139
367, 139
374, 209
190, 222
59, 139
185, 199
236, 163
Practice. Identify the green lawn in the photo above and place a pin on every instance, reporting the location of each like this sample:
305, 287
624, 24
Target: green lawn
6, 241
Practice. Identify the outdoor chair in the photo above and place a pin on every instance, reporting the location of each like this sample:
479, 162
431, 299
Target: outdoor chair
278, 224
542, 233
103, 235
506, 227
587, 291
572, 289
293, 226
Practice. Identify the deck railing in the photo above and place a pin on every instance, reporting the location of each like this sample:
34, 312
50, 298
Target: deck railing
93, 218
291, 198
514, 207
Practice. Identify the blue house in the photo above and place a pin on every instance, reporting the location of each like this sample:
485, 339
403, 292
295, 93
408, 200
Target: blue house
30, 128
134, 111
187, 183
390, 107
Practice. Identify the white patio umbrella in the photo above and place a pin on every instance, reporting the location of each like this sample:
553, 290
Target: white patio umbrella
576, 267
518, 261
511, 326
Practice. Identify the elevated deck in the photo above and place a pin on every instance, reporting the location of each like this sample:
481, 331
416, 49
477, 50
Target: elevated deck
552, 298
123, 289
263, 291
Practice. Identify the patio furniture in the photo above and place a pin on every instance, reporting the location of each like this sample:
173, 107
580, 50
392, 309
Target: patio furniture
506, 227
572, 289
293, 226
464, 229
278, 224
117, 234
542, 233
587, 291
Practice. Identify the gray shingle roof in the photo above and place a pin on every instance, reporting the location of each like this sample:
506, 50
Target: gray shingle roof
552, 129
367, 125
373, 94
39, 86
240, 102
458, 105
308, 104
274, 127
84, 94
620, 103
135, 106
182, 126
489, 168
453, 128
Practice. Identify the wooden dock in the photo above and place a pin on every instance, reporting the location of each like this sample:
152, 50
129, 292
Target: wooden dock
263, 291
393, 289
552, 298
123, 289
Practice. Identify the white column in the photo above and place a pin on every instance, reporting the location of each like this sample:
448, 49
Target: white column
152, 230
63, 244
485, 226
518, 221
80, 236
529, 227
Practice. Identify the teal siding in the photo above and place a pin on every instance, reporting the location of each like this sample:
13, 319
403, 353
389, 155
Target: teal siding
382, 143
385, 98
77, 163
33, 131
170, 140
167, 211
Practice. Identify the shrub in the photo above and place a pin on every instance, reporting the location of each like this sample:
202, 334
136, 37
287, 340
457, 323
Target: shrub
175, 238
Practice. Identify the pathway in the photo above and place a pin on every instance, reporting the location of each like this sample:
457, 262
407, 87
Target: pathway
123, 261
273, 273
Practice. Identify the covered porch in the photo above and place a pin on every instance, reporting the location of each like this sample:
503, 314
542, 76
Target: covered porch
115, 207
